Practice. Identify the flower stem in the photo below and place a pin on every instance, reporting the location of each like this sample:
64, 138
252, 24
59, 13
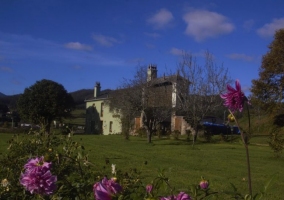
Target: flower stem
245, 142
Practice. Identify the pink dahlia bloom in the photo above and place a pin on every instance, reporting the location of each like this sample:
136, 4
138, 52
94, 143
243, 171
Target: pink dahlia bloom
37, 162
37, 177
149, 188
105, 189
234, 98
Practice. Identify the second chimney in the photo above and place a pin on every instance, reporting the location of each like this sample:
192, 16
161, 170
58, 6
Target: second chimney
97, 89
151, 72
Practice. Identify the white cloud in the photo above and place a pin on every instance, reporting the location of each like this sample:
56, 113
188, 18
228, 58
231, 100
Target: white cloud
78, 46
248, 24
150, 46
269, 29
161, 19
6, 69
153, 35
105, 40
202, 24
28, 50
237, 56
176, 51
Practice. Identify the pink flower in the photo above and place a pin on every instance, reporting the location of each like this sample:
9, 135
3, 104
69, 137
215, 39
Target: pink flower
183, 196
36, 162
168, 198
105, 189
234, 98
180, 196
203, 184
37, 177
149, 188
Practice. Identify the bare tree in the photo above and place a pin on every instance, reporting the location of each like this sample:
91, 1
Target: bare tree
206, 83
147, 96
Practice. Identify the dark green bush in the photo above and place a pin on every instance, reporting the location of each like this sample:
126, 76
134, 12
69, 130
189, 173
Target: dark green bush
276, 142
175, 134
142, 132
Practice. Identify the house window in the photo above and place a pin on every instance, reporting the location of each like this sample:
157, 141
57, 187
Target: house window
110, 126
102, 109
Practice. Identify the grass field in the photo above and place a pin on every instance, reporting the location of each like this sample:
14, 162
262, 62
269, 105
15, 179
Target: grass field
220, 162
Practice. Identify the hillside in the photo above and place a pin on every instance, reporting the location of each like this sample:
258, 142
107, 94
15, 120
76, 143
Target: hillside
9, 100
79, 97
2, 95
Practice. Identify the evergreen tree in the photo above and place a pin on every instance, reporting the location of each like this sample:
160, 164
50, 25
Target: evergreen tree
268, 90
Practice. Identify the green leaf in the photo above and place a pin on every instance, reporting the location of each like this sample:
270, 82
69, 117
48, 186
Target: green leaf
258, 196
269, 182
248, 197
79, 156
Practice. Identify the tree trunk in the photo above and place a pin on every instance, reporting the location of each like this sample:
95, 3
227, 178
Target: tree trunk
47, 128
149, 135
194, 135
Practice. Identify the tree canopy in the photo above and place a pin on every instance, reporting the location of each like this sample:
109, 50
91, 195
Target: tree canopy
44, 102
268, 89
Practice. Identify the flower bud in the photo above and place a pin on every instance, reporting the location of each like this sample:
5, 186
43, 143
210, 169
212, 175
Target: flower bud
149, 188
204, 184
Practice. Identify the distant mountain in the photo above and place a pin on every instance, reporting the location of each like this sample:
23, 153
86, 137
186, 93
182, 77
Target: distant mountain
79, 97
9, 100
2, 95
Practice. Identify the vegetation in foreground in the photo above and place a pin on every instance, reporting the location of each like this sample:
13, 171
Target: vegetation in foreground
222, 163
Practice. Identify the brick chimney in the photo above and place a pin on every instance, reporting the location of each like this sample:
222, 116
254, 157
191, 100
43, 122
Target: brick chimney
97, 89
151, 72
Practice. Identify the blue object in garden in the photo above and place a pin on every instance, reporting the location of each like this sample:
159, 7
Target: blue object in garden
217, 129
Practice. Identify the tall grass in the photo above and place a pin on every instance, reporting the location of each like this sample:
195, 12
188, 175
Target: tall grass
220, 162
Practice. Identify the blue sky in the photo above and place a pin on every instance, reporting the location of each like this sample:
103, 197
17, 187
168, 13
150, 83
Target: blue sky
79, 42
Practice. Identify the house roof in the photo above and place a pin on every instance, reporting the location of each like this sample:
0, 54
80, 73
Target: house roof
104, 94
164, 80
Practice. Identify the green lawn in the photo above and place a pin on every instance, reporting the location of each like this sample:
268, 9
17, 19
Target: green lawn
220, 162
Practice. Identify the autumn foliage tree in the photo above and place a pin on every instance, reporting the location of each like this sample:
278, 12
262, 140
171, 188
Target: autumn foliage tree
44, 102
268, 89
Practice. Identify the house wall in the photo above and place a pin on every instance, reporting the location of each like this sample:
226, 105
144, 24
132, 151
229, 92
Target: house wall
159, 96
107, 122
180, 124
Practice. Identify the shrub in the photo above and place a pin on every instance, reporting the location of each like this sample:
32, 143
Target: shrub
207, 134
175, 134
142, 132
276, 142
67, 163
70, 164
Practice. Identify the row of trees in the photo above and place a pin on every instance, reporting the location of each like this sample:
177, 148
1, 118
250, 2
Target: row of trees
197, 94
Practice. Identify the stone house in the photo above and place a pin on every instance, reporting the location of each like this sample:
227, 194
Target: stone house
100, 120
